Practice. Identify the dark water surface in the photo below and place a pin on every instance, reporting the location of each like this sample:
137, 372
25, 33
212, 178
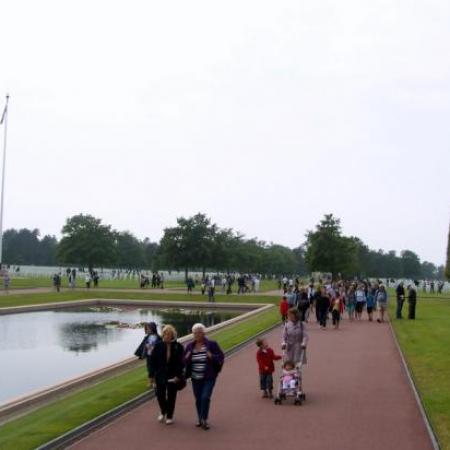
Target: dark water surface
39, 349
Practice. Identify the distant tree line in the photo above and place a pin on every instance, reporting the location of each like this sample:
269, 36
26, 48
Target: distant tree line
197, 244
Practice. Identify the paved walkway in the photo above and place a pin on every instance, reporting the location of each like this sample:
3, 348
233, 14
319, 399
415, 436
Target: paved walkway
358, 397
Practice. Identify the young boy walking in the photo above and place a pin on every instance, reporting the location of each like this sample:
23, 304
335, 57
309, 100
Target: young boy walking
284, 307
265, 357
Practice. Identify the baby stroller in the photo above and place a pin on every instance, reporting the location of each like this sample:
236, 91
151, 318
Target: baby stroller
294, 389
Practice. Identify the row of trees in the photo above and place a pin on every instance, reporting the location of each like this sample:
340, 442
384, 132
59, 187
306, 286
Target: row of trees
196, 243
328, 250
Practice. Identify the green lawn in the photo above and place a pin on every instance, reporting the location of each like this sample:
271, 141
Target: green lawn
52, 297
40, 282
426, 346
63, 415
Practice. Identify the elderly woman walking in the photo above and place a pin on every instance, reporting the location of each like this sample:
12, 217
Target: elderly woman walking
295, 338
166, 370
204, 360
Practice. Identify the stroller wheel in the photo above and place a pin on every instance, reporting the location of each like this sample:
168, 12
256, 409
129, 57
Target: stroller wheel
277, 401
303, 396
298, 401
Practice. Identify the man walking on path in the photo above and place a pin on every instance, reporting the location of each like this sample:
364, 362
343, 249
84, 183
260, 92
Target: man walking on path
400, 299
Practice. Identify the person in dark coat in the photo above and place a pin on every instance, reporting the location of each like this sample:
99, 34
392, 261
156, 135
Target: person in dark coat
204, 360
412, 300
323, 303
144, 351
166, 372
400, 291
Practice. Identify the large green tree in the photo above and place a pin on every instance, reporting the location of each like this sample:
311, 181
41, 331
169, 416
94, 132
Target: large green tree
327, 250
87, 242
130, 251
190, 244
411, 266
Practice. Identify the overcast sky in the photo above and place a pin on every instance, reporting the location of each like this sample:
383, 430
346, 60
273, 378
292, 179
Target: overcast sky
264, 115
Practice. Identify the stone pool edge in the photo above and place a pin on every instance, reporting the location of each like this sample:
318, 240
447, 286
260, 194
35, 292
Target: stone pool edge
30, 402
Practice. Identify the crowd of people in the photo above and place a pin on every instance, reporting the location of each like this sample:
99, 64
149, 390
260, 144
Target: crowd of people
334, 299
227, 283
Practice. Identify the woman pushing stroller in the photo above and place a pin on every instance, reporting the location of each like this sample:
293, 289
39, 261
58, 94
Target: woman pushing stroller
295, 341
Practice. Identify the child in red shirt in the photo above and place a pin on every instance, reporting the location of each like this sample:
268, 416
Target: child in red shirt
265, 357
284, 306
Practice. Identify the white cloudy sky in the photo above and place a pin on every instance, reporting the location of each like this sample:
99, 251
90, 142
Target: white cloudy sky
265, 115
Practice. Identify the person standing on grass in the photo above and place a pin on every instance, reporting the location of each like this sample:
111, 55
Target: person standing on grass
381, 298
412, 300
204, 360
400, 291
6, 281
57, 281
190, 285
166, 372
88, 280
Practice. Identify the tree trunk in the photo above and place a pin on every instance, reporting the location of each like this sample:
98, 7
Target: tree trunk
186, 273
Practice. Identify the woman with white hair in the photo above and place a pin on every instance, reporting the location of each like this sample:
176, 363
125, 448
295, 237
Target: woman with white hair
204, 360
166, 370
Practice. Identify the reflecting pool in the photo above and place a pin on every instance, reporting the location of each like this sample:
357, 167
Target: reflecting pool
39, 349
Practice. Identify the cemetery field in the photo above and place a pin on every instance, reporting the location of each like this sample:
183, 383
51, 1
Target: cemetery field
425, 343
46, 282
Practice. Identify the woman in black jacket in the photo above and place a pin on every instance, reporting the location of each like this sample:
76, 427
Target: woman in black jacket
166, 371
144, 351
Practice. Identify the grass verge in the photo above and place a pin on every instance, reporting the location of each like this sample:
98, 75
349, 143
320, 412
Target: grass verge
57, 418
425, 343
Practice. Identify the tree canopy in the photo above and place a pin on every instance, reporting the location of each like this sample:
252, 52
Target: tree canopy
196, 243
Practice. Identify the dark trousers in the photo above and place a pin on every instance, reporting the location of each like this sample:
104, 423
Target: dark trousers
323, 315
303, 308
266, 382
202, 392
411, 310
400, 302
336, 315
166, 393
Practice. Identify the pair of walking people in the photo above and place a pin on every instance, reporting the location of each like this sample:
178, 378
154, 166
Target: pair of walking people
170, 364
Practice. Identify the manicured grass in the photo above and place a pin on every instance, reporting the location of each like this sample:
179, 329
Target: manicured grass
52, 420
425, 343
41, 282
52, 297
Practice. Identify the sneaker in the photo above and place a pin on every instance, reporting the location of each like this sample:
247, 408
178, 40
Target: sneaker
205, 425
270, 394
379, 320
169, 421
161, 418
264, 394
199, 424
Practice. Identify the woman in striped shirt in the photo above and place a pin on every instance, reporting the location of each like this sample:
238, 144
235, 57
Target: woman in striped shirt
204, 360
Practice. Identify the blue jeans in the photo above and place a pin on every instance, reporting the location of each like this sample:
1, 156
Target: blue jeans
202, 393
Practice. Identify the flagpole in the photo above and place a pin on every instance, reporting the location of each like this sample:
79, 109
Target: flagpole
5, 135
